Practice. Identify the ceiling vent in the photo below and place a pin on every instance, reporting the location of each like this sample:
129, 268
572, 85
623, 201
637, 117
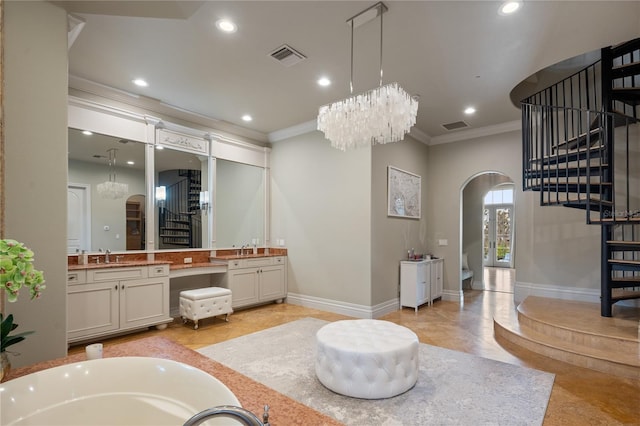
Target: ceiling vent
455, 125
287, 55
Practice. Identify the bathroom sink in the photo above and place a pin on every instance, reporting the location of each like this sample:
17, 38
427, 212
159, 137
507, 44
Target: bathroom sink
113, 391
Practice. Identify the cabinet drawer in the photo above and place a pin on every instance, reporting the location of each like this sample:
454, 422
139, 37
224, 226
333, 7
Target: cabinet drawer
158, 270
114, 274
280, 260
76, 277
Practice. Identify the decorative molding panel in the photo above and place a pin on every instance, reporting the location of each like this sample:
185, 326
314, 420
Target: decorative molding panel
182, 142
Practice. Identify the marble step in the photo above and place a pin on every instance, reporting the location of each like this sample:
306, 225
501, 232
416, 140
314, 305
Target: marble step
609, 345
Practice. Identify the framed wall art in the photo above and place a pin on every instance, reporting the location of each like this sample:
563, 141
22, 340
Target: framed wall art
404, 193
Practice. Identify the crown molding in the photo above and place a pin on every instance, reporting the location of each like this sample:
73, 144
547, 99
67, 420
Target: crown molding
289, 132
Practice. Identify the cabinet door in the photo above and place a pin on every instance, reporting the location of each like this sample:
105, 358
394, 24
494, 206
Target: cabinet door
424, 283
243, 284
143, 302
439, 267
92, 309
409, 284
272, 283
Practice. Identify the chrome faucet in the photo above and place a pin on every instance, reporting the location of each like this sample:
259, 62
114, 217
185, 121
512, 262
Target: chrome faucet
230, 411
106, 256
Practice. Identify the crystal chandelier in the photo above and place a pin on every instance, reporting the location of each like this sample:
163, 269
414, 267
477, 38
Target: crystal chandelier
381, 115
112, 189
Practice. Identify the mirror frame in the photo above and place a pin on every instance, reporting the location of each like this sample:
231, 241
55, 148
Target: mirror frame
153, 131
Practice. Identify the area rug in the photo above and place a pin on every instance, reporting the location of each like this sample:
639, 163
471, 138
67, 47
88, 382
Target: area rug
453, 388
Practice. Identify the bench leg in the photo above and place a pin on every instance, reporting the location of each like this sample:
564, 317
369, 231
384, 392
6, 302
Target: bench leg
195, 324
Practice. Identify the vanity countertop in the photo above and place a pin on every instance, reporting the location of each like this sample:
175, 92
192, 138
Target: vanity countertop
252, 395
126, 264
244, 256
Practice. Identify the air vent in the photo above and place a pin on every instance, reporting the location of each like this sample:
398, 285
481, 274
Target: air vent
287, 55
455, 126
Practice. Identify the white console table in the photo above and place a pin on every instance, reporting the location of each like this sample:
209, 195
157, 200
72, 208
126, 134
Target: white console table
420, 282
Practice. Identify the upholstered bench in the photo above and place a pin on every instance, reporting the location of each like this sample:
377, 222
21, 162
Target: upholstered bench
204, 303
369, 359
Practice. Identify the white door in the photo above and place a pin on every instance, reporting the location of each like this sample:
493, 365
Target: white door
497, 229
78, 218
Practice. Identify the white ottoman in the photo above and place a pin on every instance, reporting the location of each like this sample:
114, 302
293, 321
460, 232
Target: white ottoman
204, 303
368, 359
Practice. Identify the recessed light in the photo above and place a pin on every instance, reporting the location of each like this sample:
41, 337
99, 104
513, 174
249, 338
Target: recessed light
87, 132
247, 117
469, 110
324, 81
140, 82
509, 7
226, 26
131, 163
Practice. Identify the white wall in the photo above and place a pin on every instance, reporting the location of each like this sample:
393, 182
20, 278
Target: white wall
35, 107
321, 207
555, 249
391, 237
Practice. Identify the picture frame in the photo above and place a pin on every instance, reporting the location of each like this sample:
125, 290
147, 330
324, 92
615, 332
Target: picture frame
404, 193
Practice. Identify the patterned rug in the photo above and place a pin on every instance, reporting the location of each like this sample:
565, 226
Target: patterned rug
453, 388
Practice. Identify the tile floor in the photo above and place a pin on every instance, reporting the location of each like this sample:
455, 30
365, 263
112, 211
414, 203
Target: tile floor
579, 396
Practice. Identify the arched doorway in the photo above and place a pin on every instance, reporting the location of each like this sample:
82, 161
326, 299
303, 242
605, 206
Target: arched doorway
475, 246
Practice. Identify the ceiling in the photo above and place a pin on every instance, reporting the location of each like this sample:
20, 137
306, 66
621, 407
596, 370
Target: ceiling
453, 54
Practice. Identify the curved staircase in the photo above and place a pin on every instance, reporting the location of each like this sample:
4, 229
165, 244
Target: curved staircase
581, 149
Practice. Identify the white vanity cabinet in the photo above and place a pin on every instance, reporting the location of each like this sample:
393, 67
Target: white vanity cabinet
106, 301
257, 280
420, 282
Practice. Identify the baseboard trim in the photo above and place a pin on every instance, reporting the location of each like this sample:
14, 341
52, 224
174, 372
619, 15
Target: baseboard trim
522, 290
453, 296
344, 308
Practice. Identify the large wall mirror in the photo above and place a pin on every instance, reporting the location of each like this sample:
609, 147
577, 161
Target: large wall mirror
105, 219
239, 204
197, 190
182, 199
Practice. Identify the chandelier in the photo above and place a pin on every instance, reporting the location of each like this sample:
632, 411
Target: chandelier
112, 189
381, 115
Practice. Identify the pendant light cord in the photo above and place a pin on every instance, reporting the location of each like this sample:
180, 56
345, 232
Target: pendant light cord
381, 13
351, 81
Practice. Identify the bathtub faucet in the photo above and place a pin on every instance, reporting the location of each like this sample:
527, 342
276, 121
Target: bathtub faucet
230, 411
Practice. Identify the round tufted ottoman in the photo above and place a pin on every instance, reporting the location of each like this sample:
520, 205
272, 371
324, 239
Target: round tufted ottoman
365, 358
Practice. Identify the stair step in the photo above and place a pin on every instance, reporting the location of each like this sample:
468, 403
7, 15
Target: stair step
624, 262
628, 95
569, 156
619, 294
572, 171
539, 331
626, 282
618, 220
624, 245
626, 70
592, 136
625, 47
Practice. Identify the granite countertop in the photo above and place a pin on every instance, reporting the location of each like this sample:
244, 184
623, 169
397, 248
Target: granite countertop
125, 264
251, 394
244, 256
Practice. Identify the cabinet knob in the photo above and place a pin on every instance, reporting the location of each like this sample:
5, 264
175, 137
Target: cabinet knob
116, 287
